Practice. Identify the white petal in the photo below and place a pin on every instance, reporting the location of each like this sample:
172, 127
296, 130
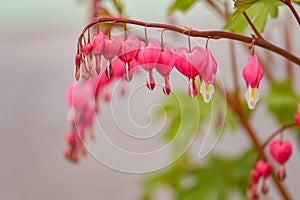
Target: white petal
207, 91
252, 97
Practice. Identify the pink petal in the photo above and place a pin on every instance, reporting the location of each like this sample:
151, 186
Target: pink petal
79, 94
129, 48
253, 72
111, 47
149, 55
166, 61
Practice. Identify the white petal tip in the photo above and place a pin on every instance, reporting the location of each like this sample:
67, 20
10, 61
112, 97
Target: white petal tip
207, 91
252, 97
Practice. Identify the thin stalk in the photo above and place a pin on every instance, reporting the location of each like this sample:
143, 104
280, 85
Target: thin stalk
258, 35
195, 33
278, 132
291, 7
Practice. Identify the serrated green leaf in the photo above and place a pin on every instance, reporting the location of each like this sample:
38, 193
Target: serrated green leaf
181, 5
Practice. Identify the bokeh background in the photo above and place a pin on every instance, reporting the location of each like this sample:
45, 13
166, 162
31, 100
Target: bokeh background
37, 47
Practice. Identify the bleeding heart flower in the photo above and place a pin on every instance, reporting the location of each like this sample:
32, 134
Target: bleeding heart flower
280, 150
148, 57
98, 42
264, 168
87, 49
208, 75
111, 49
164, 66
255, 175
77, 63
78, 95
297, 116
252, 73
190, 64
129, 50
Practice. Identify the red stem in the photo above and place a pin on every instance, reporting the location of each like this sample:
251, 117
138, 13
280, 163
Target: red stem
291, 7
194, 33
278, 132
258, 35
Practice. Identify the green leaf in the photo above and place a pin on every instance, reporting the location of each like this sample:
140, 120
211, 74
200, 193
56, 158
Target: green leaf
258, 12
243, 5
282, 102
216, 178
181, 5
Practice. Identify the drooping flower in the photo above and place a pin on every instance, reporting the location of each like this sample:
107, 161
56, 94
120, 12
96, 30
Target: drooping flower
129, 49
148, 57
190, 64
208, 75
281, 152
297, 116
79, 94
87, 49
83, 107
252, 73
164, 66
254, 179
265, 169
98, 42
111, 49
77, 63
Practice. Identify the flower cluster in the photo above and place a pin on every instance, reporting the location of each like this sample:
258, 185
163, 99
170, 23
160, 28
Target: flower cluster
280, 151
103, 59
82, 98
262, 171
150, 55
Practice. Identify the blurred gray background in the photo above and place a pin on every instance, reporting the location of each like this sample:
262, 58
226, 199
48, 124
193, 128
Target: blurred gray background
37, 48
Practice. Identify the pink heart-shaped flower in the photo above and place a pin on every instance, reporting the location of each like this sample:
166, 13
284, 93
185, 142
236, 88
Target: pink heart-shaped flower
264, 168
191, 63
98, 41
149, 54
208, 72
79, 94
280, 151
253, 72
166, 61
129, 48
111, 47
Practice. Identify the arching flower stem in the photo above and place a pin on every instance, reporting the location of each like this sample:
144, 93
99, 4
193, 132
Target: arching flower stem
195, 33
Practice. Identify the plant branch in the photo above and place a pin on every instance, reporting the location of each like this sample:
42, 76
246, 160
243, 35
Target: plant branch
278, 132
236, 107
258, 35
291, 7
195, 33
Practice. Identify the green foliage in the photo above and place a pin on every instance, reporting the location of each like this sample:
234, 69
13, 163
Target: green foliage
181, 5
258, 12
216, 178
282, 102
186, 115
